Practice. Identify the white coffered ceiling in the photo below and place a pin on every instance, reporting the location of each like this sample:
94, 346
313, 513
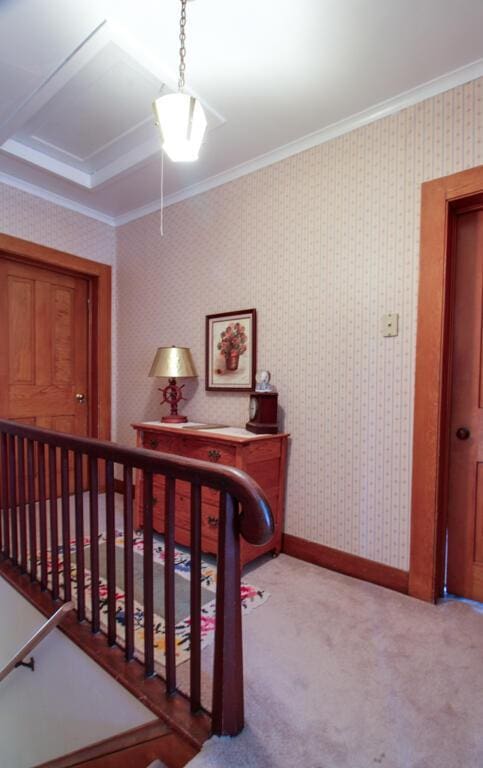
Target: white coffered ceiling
77, 80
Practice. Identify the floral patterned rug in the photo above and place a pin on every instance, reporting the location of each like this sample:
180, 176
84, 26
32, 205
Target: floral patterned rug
251, 598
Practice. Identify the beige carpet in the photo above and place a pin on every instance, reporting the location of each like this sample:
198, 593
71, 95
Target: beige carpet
344, 674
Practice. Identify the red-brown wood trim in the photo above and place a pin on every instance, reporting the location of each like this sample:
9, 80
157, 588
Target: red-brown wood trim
168, 746
343, 562
140, 755
114, 743
439, 198
99, 278
173, 710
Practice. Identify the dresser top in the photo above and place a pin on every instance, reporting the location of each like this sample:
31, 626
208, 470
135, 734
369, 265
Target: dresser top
195, 429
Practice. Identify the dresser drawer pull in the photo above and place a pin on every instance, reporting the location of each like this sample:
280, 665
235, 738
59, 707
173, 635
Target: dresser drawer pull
153, 443
154, 501
213, 522
214, 455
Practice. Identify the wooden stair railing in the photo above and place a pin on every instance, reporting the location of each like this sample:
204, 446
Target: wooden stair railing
46, 628
39, 472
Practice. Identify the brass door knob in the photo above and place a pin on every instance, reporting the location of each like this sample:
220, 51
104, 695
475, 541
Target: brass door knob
80, 397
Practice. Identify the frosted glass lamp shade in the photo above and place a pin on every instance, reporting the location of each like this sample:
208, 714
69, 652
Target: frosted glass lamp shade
182, 123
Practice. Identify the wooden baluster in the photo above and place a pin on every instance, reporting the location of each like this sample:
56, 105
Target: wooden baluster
110, 554
128, 564
64, 481
12, 486
148, 575
32, 512
169, 607
54, 523
228, 714
42, 516
195, 611
79, 536
94, 537
4, 501
22, 516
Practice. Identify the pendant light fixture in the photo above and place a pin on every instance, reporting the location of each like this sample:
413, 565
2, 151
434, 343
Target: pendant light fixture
180, 117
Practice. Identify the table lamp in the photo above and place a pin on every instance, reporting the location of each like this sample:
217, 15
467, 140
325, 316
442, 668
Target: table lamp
171, 363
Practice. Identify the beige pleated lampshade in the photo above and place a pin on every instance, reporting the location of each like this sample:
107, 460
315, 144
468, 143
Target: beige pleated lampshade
173, 363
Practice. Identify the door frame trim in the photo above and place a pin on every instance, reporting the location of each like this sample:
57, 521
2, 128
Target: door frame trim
99, 278
439, 200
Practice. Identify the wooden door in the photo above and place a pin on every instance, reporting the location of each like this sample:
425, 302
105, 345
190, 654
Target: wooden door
44, 347
465, 497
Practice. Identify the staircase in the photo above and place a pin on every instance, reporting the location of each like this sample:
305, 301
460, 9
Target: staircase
41, 471
154, 744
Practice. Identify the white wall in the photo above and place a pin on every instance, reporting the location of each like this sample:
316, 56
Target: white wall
67, 703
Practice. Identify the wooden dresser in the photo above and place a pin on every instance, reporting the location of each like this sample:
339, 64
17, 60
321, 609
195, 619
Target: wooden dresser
263, 457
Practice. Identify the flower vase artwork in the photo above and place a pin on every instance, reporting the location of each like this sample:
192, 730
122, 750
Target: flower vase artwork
232, 344
231, 348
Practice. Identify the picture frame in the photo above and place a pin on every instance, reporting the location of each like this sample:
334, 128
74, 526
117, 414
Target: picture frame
231, 351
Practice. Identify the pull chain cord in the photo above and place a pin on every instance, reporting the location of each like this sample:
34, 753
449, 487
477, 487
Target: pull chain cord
161, 228
182, 49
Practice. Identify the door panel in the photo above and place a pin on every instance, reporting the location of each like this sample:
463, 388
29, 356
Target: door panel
43, 362
465, 492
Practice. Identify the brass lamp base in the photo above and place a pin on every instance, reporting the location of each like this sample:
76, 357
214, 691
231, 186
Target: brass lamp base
173, 419
172, 395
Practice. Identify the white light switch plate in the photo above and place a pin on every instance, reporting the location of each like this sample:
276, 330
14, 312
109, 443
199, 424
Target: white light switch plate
390, 325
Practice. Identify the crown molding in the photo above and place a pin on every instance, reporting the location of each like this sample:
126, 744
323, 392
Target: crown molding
138, 213
383, 109
52, 197
386, 108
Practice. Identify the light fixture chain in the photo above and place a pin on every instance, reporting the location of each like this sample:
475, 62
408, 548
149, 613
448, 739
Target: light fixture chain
182, 50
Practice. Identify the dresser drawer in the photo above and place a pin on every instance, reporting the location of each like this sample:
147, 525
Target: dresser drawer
193, 449
209, 522
209, 451
208, 495
182, 488
156, 441
209, 515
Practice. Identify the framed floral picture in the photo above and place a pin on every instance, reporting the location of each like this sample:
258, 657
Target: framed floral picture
231, 350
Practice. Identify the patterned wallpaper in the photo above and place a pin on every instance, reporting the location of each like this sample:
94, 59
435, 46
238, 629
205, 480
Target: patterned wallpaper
322, 244
32, 218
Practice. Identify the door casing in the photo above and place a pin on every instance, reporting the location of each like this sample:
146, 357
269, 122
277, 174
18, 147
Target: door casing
440, 200
99, 335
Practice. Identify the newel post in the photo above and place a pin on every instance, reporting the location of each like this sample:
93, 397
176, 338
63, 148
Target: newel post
228, 716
